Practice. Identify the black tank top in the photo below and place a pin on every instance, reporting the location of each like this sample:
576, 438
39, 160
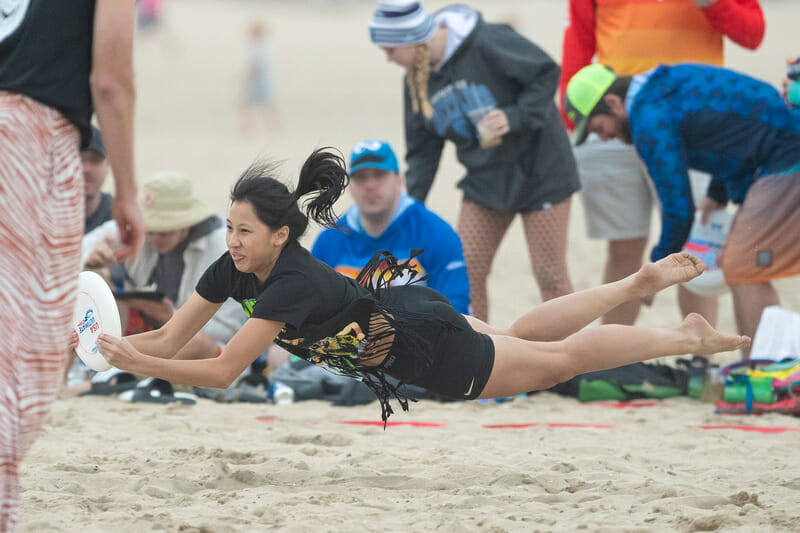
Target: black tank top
46, 54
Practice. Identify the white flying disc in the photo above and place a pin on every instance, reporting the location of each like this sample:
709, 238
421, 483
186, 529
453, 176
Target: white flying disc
706, 243
95, 313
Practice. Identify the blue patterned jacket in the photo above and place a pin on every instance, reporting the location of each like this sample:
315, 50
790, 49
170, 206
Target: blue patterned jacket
734, 127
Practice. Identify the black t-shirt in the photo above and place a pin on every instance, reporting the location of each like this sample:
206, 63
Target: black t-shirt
301, 291
46, 54
101, 215
334, 322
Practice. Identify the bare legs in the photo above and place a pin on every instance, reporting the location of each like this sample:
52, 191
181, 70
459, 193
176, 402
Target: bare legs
749, 301
624, 258
524, 363
706, 306
560, 317
522, 366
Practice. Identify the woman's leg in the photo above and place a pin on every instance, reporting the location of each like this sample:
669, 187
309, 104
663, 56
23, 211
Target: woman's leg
522, 366
481, 231
558, 318
546, 233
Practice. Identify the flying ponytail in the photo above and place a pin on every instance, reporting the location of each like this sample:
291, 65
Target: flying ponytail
323, 175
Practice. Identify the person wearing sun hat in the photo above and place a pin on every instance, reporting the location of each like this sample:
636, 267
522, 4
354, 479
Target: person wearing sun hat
183, 238
715, 120
489, 91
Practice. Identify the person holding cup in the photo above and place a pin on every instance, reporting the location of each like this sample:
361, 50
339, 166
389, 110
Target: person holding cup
491, 92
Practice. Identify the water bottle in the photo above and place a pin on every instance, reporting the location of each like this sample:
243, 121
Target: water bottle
713, 387
793, 74
280, 393
706, 243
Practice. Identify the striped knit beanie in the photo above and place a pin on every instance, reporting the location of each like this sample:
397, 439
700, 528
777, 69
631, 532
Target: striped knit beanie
400, 23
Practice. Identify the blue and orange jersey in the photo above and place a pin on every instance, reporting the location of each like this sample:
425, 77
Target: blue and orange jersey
413, 226
732, 126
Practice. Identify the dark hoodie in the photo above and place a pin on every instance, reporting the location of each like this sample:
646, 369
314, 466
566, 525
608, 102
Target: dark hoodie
493, 65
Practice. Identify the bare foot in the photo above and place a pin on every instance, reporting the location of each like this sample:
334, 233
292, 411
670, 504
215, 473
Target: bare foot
707, 340
673, 269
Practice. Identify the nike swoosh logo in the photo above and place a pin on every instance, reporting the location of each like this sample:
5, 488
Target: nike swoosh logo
469, 390
8, 12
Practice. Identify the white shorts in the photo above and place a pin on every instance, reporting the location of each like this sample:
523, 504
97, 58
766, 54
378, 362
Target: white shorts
617, 193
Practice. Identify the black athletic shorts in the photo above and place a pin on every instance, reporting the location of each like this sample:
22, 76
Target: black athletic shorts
462, 357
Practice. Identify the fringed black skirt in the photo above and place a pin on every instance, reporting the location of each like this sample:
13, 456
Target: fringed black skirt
460, 358
408, 332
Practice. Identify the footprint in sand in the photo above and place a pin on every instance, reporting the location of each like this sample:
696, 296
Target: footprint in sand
331, 439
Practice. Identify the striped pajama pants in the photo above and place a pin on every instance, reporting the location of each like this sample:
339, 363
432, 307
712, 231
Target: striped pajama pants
41, 225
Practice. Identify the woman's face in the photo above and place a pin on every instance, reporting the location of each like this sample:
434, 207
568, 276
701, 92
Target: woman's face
254, 247
402, 55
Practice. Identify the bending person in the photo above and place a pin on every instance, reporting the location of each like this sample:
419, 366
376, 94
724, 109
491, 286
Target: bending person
409, 332
732, 126
490, 92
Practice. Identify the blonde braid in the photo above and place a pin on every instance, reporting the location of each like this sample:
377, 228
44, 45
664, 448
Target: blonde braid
417, 80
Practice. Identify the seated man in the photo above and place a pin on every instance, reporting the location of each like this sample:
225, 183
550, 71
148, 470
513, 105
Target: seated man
99, 230
183, 238
95, 171
384, 217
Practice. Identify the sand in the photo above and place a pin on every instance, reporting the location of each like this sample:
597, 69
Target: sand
104, 465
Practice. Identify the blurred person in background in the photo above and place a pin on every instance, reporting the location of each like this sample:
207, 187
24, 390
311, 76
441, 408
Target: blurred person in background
257, 99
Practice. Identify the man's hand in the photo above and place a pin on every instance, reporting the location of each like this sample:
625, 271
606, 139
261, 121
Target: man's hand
131, 227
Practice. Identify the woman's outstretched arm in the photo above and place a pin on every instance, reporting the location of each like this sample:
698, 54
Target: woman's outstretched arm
167, 340
248, 343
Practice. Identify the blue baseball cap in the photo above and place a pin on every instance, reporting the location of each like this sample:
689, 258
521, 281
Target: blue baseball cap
373, 154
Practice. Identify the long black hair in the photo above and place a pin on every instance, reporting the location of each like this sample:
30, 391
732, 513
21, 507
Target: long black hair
323, 175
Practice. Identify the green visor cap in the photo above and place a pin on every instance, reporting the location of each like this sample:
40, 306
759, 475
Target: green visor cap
584, 91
